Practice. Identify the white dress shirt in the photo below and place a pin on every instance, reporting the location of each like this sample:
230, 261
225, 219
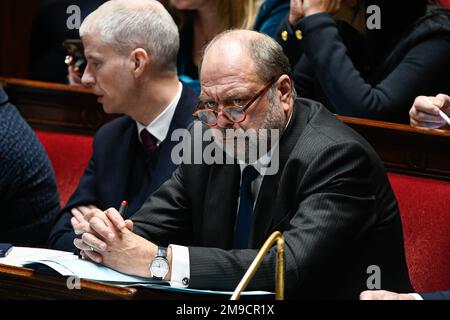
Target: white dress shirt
159, 127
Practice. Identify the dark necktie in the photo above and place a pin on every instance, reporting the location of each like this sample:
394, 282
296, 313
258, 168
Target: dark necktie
149, 142
245, 211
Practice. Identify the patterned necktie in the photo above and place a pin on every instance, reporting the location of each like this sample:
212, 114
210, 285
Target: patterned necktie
149, 142
245, 211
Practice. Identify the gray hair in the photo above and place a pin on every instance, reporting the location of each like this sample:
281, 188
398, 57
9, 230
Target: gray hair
267, 55
130, 24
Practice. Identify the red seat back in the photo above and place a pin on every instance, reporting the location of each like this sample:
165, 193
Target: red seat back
445, 3
425, 211
69, 155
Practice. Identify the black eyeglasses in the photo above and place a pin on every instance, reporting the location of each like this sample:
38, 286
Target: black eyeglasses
207, 112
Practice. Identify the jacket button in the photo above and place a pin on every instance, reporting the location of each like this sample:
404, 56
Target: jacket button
284, 35
298, 34
185, 281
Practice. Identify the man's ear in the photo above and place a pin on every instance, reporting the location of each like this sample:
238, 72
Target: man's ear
140, 61
284, 85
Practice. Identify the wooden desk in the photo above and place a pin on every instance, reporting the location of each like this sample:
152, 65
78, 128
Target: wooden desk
22, 283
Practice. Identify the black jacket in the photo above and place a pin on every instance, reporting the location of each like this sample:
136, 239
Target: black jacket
330, 197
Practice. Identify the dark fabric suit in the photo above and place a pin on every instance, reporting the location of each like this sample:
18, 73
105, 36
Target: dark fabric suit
119, 169
331, 198
438, 295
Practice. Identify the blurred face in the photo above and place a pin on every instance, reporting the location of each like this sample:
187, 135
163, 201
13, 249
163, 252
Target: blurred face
228, 78
108, 73
188, 4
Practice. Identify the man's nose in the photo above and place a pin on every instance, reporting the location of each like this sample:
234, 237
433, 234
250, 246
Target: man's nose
87, 79
223, 121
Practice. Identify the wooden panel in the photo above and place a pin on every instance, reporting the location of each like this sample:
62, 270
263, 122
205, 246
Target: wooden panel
402, 148
50, 106
405, 149
16, 18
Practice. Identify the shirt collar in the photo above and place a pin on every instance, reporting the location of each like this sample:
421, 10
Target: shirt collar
159, 127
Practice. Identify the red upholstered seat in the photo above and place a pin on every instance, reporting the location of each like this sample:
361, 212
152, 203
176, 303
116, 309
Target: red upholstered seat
445, 3
425, 211
69, 154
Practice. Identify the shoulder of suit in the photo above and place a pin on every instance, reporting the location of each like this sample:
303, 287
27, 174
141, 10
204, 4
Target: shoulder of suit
188, 97
115, 127
326, 126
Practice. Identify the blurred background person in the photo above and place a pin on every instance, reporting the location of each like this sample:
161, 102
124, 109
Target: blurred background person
270, 15
199, 21
345, 61
29, 199
48, 33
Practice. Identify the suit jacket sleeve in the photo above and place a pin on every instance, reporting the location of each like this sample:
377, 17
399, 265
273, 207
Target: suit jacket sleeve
333, 206
165, 218
62, 235
287, 38
439, 295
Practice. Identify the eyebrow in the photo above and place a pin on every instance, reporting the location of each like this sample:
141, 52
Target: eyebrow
93, 56
234, 93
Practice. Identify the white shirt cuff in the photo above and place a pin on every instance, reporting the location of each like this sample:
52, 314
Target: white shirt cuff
416, 296
180, 267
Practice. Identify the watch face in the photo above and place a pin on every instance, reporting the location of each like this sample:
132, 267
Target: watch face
159, 267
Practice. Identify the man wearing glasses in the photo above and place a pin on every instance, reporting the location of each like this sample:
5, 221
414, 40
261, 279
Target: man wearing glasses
330, 195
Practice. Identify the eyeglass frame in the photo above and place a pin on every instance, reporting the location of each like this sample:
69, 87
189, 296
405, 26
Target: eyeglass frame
243, 108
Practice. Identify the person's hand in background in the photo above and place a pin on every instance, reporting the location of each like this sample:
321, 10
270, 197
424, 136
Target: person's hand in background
304, 8
384, 295
425, 112
296, 12
74, 77
311, 7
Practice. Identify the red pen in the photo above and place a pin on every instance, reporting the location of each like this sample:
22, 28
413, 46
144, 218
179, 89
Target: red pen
123, 208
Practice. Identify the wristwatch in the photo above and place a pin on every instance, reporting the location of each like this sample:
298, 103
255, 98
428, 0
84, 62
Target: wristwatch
159, 267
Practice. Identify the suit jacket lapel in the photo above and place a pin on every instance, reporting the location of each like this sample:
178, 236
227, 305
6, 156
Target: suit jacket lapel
266, 204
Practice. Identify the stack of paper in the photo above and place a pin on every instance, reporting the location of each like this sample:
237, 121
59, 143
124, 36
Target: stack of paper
68, 264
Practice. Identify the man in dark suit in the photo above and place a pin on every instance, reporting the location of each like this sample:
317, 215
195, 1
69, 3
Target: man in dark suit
131, 156
330, 195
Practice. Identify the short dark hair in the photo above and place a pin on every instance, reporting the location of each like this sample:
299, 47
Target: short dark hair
267, 55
